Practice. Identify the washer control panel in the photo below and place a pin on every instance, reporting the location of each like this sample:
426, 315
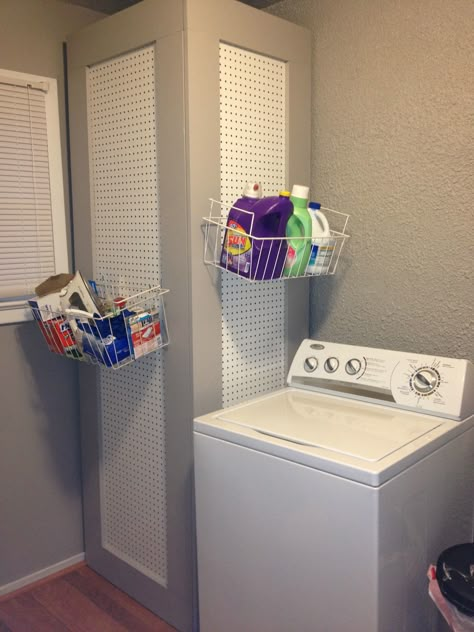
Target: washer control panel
434, 385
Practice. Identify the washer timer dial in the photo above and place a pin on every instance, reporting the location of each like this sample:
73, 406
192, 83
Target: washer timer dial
425, 380
353, 366
310, 364
331, 365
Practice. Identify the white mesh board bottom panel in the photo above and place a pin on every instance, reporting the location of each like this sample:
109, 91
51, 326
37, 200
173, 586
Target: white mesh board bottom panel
252, 148
125, 200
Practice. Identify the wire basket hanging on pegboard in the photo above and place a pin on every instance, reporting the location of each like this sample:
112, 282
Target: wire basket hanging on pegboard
102, 324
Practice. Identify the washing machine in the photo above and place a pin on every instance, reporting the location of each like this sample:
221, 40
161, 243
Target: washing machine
319, 507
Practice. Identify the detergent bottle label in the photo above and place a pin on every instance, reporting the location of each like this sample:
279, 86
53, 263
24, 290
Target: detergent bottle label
236, 244
290, 257
313, 254
237, 250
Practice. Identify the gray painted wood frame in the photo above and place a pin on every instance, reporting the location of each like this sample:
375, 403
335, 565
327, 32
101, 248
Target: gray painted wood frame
208, 23
160, 23
186, 36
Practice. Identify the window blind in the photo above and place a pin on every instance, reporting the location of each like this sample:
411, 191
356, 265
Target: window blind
27, 254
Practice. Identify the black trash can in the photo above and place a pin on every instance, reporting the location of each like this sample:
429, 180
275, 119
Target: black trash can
455, 575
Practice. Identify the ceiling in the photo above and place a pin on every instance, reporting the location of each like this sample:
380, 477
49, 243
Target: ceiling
112, 6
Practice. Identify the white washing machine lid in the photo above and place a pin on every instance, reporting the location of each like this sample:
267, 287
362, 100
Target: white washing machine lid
363, 442
366, 432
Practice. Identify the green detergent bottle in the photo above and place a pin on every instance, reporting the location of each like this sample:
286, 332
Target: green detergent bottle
299, 225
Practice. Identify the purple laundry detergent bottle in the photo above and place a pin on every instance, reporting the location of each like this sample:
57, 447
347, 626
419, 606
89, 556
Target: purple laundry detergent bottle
271, 215
236, 248
249, 247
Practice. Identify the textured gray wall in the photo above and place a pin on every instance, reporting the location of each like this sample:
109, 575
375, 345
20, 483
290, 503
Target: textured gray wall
393, 114
40, 486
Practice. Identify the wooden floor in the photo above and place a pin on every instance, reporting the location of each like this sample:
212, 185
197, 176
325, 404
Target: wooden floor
78, 601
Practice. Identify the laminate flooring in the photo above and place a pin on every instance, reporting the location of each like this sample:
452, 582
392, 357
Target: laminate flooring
77, 601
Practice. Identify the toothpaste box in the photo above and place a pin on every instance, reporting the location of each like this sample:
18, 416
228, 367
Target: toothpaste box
145, 333
59, 337
55, 329
63, 334
48, 334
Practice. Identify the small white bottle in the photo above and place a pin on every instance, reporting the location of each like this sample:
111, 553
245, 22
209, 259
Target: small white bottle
322, 245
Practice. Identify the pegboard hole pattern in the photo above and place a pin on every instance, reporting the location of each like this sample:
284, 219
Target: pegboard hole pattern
133, 490
125, 207
252, 121
252, 148
123, 156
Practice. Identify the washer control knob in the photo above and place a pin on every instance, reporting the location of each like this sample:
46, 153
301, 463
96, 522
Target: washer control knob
331, 365
425, 380
353, 366
310, 364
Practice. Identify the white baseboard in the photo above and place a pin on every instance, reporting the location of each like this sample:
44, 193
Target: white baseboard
44, 572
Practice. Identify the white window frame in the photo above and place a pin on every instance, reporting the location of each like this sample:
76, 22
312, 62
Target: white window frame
15, 311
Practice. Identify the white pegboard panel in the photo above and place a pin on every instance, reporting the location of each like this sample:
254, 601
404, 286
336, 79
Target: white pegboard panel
133, 485
125, 210
252, 147
123, 160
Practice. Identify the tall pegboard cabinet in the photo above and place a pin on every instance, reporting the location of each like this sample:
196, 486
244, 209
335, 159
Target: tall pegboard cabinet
172, 103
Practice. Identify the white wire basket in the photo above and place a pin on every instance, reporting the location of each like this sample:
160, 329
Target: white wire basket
257, 258
126, 327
